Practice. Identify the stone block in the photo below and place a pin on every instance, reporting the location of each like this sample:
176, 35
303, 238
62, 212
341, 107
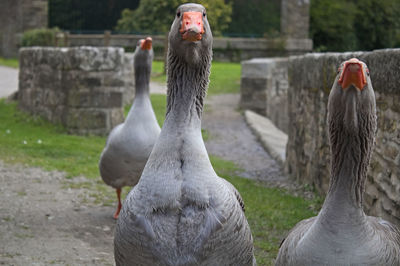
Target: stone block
82, 87
117, 117
249, 85
93, 58
86, 119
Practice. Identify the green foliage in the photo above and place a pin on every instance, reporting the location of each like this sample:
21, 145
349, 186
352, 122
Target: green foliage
87, 14
343, 25
377, 24
156, 16
9, 62
40, 37
255, 17
332, 25
224, 78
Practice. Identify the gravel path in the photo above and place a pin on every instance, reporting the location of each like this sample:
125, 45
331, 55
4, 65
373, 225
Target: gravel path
44, 222
231, 139
8, 81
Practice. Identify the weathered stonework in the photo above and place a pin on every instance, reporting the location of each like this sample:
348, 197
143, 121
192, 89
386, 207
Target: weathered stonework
295, 18
81, 88
264, 85
308, 155
128, 74
224, 48
310, 78
17, 16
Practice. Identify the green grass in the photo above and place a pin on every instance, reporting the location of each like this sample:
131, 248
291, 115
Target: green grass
11, 62
33, 141
26, 139
224, 78
157, 72
271, 212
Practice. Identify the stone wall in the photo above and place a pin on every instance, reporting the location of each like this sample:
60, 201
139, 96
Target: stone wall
17, 16
128, 75
307, 154
264, 85
224, 49
81, 88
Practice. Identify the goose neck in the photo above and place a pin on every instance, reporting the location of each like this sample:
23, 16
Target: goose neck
187, 85
142, 80
351, 148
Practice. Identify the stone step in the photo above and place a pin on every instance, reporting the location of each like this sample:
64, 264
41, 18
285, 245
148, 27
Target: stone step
273, 139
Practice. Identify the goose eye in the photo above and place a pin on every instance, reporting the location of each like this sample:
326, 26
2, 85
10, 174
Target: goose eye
338, 71
178, 15
204, 14
367, 70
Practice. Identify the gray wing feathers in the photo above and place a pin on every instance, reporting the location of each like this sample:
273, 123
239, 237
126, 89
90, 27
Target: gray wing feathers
232, 243
389, 246
235, 192
289, 244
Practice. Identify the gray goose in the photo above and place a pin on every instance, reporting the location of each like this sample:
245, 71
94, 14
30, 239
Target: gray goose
129, 144
342, 234
181, 212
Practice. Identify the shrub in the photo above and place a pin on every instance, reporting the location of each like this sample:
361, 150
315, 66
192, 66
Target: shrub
156, 16
40, 37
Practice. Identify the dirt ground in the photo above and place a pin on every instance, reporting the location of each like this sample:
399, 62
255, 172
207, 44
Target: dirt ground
43, 222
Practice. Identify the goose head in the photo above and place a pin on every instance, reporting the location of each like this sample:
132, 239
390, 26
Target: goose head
352, 99
143, 56
190, 34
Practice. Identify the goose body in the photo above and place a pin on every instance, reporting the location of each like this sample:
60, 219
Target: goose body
181, 212
342, 234
129, 144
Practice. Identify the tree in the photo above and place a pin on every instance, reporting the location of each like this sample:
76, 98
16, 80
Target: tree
343, 25
331, 25
377, 23
255, 17
87, 14
156, 16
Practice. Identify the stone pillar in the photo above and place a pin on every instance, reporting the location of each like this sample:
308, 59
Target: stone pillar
17, 16
81, 88
263, 89
128, 74
295, 19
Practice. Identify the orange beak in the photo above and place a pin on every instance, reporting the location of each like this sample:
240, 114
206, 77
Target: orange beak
192, 28
146, 44
353, 74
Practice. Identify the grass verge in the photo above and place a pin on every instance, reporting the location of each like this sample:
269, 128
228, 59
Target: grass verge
9, 62
35, 142
224, 78
271, 212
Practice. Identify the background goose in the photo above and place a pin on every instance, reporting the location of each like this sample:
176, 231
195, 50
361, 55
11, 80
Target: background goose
181, 212
129, 144
342, 234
